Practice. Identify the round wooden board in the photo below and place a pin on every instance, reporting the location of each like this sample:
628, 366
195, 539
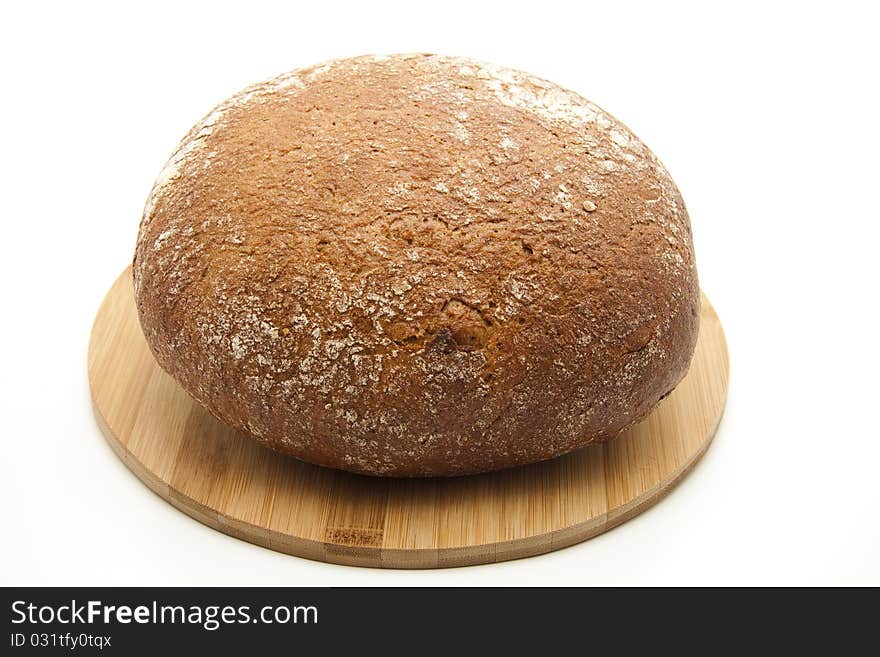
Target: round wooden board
230, 483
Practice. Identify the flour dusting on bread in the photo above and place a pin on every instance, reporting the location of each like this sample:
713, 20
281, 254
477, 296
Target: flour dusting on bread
417, 265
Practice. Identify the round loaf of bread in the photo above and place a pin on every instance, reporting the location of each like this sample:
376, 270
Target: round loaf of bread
417, 265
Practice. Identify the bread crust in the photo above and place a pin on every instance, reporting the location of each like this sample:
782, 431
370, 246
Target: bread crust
417, 265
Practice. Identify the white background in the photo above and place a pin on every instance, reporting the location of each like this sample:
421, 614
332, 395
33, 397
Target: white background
767, 116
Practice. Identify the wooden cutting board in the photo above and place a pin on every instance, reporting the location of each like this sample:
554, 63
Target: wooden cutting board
228, 482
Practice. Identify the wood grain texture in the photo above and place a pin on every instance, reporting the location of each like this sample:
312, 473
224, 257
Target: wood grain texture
230, 483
